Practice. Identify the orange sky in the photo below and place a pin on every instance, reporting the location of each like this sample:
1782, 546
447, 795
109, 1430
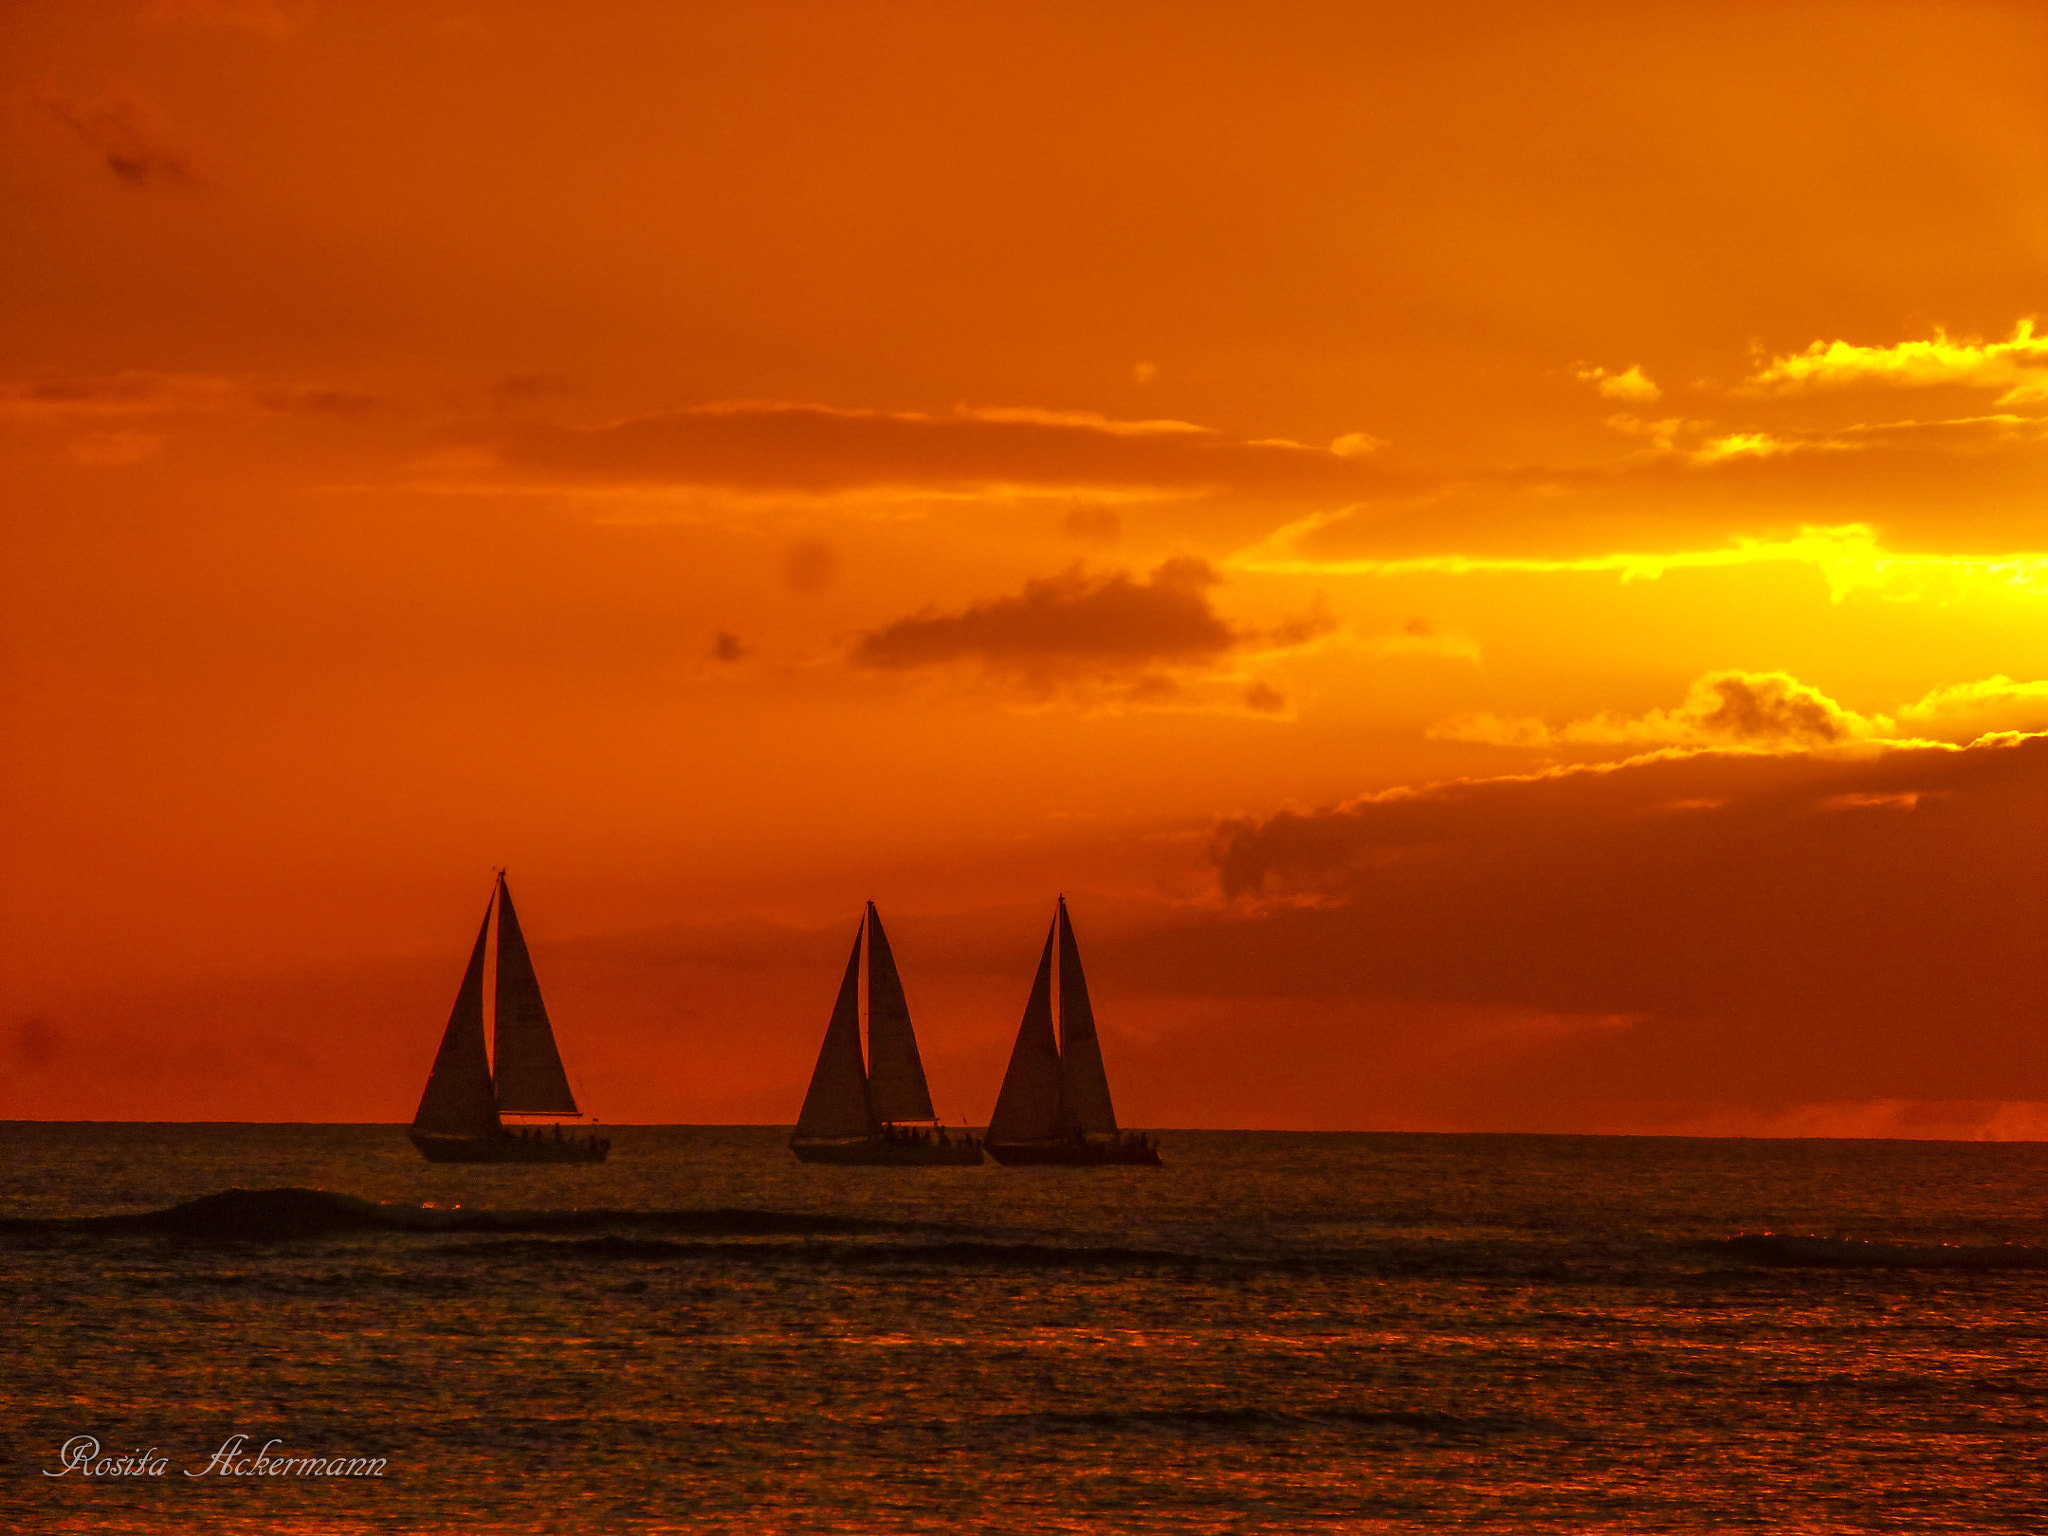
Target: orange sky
1494, 552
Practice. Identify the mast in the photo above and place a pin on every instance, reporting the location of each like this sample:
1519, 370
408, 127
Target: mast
529, 1068
1028, 1108
458, 1100
837, 1103
896, 1085
1084, 1084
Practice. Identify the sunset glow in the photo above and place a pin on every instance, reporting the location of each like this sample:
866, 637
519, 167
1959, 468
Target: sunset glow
1495, 554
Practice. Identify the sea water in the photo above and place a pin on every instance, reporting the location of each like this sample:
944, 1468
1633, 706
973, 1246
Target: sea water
1274, 1332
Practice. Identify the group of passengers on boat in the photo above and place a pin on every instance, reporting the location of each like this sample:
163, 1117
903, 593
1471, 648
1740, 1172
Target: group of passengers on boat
918, 1136
596, 1143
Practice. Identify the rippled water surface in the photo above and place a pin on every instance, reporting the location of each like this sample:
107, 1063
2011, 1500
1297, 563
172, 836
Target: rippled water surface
1274, 1332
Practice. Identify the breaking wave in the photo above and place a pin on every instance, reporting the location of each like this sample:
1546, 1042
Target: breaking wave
270, 1215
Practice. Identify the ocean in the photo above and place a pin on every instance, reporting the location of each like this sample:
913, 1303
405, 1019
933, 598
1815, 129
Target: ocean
1274, 1332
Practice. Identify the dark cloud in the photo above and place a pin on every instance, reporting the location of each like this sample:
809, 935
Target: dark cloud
1769, 708
117, 131
1829, 926
1263, 699
56, 397
817, 449
1075, 622
523, 391
36, 1043
809, 566
1110, 637
1093, 525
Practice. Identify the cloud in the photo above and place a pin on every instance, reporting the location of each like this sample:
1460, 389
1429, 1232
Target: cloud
1093, 525
1148, 638
1771, 710
779, 447
1074, 621
1630, 384
35, 1043
119, 131
809, 566
74, 398
1850, 556
1785, 925
1735, 445
1419, 637
1993, 699
523, 391
2017, 366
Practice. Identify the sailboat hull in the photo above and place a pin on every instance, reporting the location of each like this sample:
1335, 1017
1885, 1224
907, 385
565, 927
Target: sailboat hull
507, 1149
1075, 1154
873, 1152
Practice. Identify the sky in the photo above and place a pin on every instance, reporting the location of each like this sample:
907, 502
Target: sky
1495, 554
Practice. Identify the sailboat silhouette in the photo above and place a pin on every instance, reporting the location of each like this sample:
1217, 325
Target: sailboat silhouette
459, 1118
877, 1112
1055, 1106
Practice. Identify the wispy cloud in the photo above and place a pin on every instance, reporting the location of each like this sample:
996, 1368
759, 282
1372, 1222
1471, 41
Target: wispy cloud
69, 398
1631, 384
1989, 700
2017, 366
125, 137
1850, 556
781, 447
1770, 711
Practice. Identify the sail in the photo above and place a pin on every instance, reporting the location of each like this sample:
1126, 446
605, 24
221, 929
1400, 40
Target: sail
1084, 1085
458, 1100
529, 1069
837, 1104
896, 1086
1028, 1108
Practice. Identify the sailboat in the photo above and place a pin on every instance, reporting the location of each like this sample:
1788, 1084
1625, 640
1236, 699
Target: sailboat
878, 1112
1054, 1106
459, 1119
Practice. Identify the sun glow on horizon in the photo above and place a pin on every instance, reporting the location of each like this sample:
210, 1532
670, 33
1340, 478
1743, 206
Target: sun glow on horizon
733, 462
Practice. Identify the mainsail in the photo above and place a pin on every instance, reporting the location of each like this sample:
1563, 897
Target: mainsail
1028, 1107
1084, 1086
458, 1100
896, 1085
837, 1104
529, 1068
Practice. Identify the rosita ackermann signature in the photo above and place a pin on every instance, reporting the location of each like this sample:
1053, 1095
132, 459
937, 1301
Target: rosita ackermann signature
81, 1454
